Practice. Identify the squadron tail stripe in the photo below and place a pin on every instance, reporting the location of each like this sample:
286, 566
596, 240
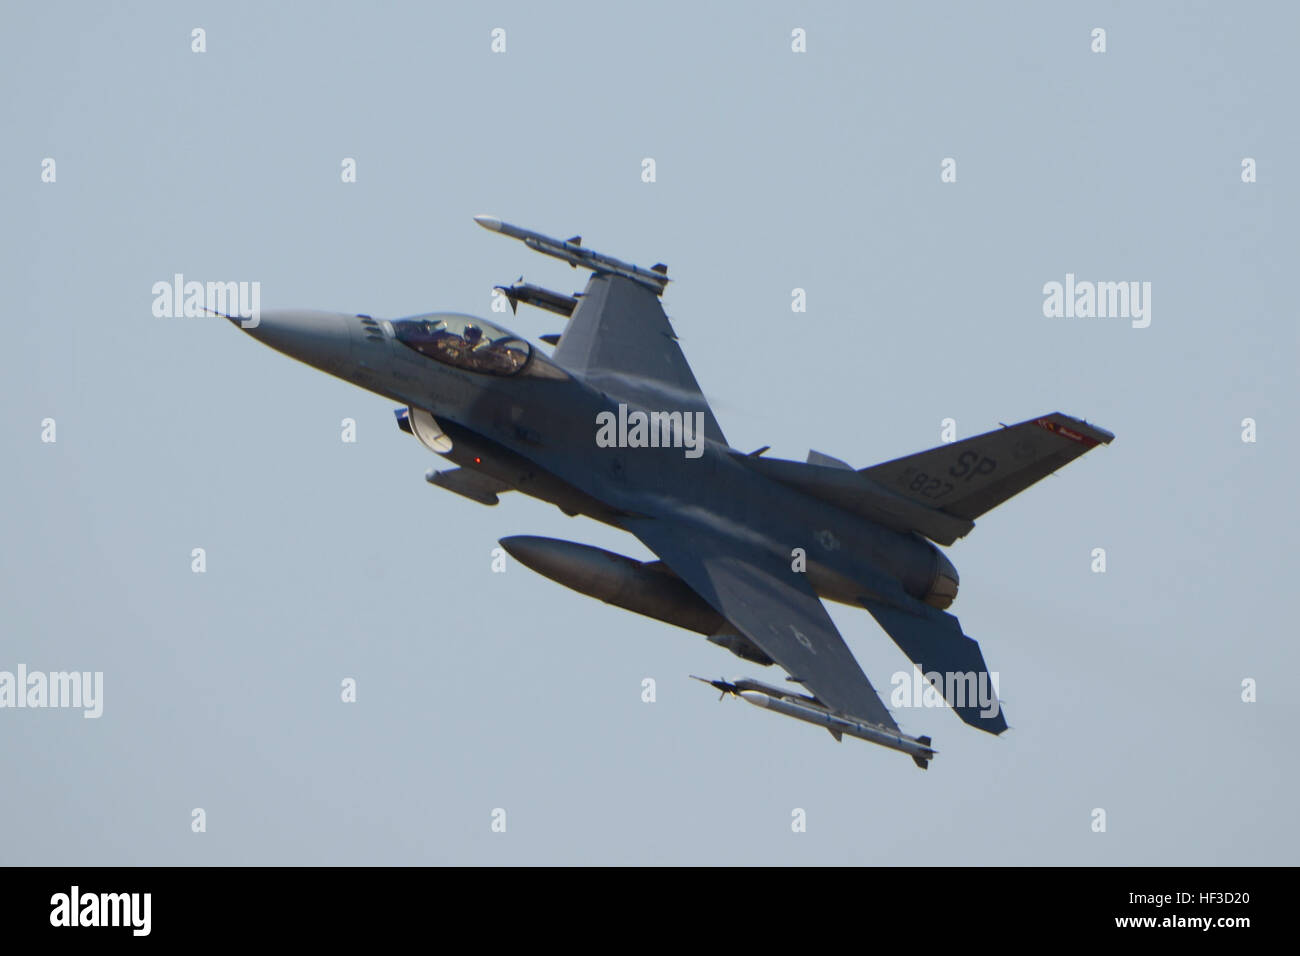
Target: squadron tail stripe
1066, 432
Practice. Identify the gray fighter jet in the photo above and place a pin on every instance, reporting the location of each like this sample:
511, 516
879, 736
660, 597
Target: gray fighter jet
613, 426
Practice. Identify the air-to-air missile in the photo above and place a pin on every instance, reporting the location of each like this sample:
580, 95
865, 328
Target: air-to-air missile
575, 254
809, 709
535, 295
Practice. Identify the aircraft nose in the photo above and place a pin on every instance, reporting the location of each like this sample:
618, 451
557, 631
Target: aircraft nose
320, 339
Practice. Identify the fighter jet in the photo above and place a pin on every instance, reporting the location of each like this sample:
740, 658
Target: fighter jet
613, 426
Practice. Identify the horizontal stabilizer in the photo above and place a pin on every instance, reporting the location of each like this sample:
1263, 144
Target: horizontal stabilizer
949, 660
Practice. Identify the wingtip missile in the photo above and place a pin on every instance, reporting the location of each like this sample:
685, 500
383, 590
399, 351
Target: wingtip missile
577, 255
814, 712
725, 686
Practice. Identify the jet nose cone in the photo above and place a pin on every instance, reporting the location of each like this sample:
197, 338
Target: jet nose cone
320, 339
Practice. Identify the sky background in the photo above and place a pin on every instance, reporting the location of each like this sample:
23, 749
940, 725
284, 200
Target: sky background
775, 170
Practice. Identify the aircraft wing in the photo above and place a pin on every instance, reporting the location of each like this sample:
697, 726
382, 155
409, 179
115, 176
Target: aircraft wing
620, 341
774, 607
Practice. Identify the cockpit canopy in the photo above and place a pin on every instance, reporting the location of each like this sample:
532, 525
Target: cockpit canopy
464, 341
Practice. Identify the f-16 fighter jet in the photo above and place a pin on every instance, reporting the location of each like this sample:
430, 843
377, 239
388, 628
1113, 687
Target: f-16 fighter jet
613, 426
